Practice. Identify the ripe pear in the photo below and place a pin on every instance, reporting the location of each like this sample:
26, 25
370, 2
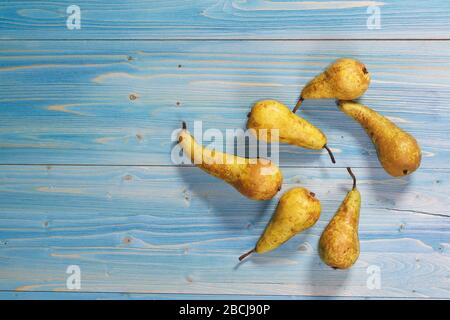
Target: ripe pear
272, 114
297, 210
339, 243
398, 151
344, 79
257, 179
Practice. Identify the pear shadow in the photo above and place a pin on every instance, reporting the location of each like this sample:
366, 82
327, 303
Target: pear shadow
222, 199
315, 269
318, 270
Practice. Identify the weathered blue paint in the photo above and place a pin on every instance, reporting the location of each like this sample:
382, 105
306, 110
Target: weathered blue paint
226, 19
172, 230
69, 102
85, 170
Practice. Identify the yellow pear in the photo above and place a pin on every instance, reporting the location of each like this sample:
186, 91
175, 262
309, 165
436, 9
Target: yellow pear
344, 79
271, 114
257, 179
339, 243
297, 210
398, 151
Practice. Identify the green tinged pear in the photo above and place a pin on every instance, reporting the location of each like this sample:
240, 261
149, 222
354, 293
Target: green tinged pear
292, 129
344, 79
398, 151
339, 243
297, 210
257, 179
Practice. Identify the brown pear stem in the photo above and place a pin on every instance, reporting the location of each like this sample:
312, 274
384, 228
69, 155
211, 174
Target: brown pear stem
299, 103
353, 177
183, 127
330, 153
245, 255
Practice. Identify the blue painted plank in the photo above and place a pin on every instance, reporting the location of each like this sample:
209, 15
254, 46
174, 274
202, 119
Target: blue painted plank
227, 19
114, 102
172, 230
74, 295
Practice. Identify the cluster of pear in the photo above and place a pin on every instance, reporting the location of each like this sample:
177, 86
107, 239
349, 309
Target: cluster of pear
298, 209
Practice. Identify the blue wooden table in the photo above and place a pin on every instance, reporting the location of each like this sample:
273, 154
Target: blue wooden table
86, 177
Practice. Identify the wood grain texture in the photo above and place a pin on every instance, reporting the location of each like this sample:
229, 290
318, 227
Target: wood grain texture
94, 112
74, 295
225, 19
114, 102
172, 230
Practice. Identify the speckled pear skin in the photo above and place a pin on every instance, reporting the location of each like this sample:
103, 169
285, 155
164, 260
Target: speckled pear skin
339, 243
398, 151
257, 180
271, 114
344, 79
297, 210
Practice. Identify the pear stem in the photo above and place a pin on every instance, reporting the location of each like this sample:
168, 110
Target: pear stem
353, 177
330, 153
183, 127
299, 103
245, 255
